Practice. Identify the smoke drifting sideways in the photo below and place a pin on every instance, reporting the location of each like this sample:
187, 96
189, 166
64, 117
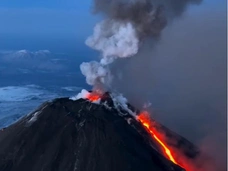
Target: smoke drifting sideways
126, 25
178, 63
184, 77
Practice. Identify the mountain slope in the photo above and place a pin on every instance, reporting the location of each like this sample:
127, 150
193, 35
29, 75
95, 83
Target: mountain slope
78, 136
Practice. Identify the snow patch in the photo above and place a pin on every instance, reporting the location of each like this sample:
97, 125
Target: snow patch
107, 106
34, 117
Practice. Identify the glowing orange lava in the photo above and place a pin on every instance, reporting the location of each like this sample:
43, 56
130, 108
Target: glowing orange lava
93, 97
145, 120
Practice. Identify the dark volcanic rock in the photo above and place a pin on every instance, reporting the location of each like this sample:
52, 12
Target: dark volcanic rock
66, 135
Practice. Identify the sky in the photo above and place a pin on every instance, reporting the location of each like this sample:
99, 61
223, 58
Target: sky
45, 24
61, 25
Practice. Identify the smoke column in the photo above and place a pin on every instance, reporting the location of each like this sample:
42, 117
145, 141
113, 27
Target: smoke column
178, 65
126, 26
184, 77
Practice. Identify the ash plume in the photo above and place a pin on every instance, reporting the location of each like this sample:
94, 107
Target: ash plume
149, 17
187, 80
126, 25
186, 63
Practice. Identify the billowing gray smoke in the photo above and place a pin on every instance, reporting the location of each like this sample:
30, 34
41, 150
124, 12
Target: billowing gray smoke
184, 77
148, 17
180, 67
127, 24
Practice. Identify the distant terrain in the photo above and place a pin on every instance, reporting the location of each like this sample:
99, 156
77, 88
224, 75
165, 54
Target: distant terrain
28, 78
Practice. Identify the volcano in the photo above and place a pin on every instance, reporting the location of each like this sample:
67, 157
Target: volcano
82, 135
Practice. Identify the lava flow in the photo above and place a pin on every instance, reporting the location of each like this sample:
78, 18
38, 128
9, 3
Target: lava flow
143, 117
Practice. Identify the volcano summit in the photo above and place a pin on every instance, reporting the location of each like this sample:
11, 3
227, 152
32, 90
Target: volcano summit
85, 135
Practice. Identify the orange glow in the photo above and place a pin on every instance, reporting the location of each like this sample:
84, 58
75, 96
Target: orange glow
93, 97
145, 120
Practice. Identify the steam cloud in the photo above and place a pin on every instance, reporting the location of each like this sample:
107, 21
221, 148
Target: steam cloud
131, 28
127, 24
184, 77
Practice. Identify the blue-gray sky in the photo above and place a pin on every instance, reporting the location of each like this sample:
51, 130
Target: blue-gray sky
44, 24
49, 24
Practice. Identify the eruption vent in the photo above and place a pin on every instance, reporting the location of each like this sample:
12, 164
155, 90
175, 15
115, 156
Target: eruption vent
177, 150
127, 25
93, 97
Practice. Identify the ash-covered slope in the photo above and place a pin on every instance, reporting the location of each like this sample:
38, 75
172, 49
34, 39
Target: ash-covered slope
67, 135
